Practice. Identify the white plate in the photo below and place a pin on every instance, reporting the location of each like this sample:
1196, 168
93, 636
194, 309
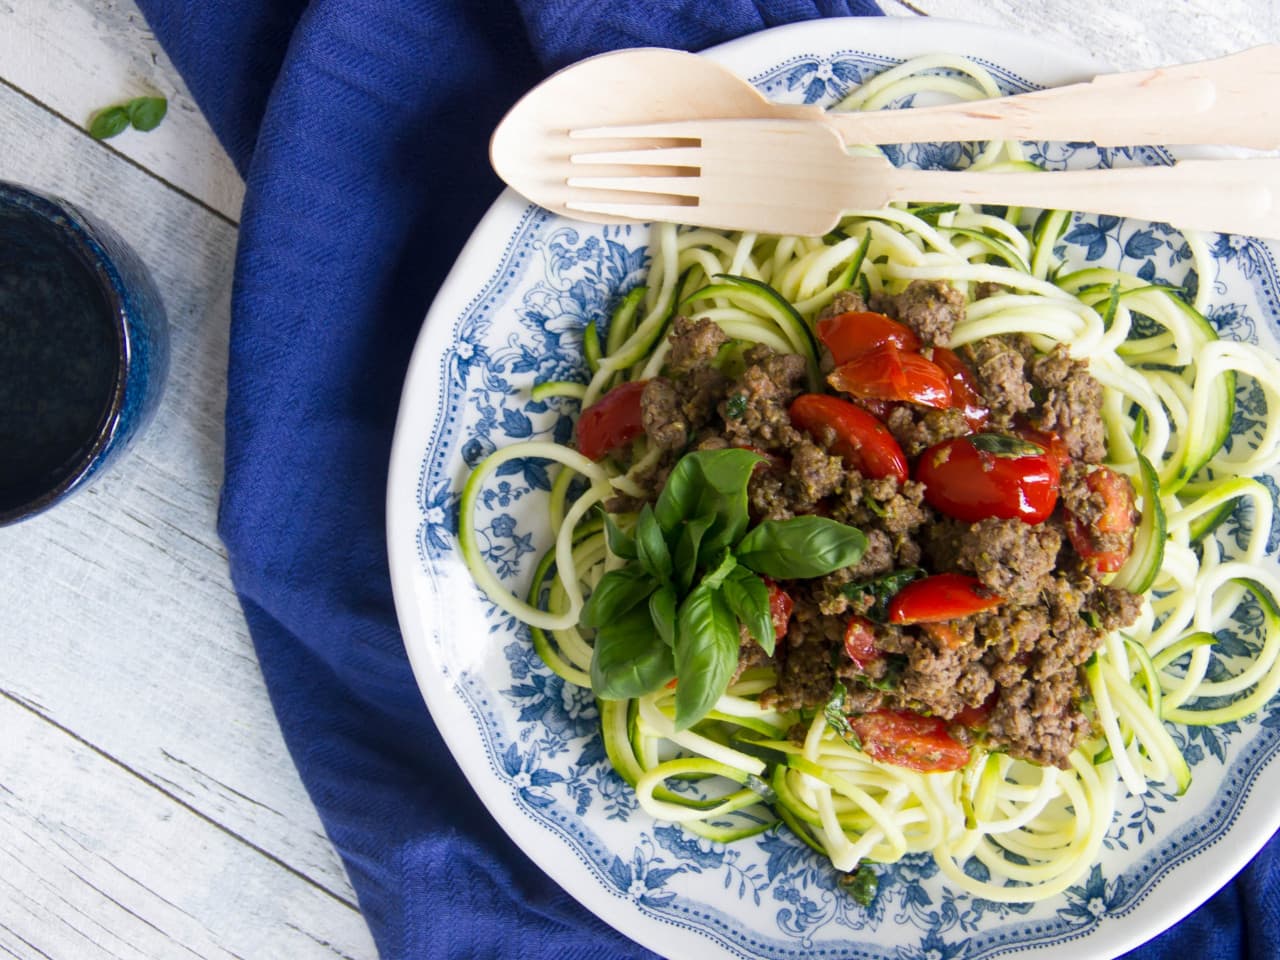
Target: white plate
511, 314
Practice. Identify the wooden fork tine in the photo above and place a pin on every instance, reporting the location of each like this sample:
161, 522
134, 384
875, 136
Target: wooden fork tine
673, 130
670, 186
651, 157
641, 212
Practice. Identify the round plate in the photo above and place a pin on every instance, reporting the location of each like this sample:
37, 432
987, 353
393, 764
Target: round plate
511, 314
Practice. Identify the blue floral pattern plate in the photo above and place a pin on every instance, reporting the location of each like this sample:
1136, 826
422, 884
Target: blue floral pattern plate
510, 315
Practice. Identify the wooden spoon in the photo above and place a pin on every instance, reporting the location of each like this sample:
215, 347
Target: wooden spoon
1223, 101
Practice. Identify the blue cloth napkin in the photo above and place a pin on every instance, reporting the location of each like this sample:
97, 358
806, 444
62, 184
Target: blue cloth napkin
361, 127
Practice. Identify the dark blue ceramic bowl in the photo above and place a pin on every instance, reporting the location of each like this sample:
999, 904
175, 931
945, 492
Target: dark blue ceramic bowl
84, 349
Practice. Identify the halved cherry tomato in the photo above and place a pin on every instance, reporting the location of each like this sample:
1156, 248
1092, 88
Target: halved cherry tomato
965, 394
988, 475
1053, 444
888, 373
860, 642
613, 420
977, 718
851, 334
906, 739
1097, 544
942, 596
863, 441
780, 606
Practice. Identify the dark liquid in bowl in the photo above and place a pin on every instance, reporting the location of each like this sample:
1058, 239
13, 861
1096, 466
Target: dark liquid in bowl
58, 358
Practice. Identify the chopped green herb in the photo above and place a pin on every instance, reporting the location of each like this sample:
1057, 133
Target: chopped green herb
861, 884
735, 406
880, 590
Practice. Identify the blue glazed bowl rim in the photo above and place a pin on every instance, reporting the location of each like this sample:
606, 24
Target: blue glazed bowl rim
75, 230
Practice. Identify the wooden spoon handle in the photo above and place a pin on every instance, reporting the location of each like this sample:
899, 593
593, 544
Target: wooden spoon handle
1228, 196
1229, 101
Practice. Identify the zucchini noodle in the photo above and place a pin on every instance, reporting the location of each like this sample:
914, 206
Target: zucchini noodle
1169, 387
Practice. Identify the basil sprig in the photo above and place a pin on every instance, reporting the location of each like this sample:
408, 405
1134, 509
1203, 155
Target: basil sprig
693, 574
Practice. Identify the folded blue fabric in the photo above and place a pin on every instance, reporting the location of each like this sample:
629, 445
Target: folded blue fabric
361, 128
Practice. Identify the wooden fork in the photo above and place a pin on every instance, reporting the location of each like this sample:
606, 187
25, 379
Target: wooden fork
795, 177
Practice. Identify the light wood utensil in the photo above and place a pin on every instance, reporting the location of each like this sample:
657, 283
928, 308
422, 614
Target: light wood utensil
1225, 101
796, 177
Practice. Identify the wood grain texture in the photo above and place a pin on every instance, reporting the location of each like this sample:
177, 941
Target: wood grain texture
97, 864
78, 56
119, 630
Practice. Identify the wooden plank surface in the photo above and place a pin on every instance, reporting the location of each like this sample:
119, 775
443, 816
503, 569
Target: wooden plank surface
148, 807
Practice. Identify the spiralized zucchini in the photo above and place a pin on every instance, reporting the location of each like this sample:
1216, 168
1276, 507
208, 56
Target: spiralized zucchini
1169, 386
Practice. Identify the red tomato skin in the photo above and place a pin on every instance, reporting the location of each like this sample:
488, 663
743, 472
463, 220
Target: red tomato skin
1118, 517
907, 739
860, 642
780, 607
863, 441
612, 421
940, 597
888, 373
965, 394
850, 334
971, 484
1053, 444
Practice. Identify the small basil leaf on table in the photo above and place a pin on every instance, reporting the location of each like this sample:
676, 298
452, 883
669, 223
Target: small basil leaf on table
651, 547
618, 592
706, 653
748, 598
145, 113
801, 547
627, 662
662, 610
109, 122
620, 543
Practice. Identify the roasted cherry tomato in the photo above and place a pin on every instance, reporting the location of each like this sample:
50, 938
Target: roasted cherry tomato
863, 441
977, 718
1053, 444
965, 395
888, 373
613, 420
780, 606
943, 596
906, 739
988, 475
860, 642
851, 334
1109, 541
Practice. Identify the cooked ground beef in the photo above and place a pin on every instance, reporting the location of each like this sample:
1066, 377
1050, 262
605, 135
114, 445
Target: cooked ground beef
1019, 661
931, 308
1071, 404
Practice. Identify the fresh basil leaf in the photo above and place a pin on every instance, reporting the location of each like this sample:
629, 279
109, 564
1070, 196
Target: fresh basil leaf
109, 122
706, 654
621, 544
801, 547
687, 549
881, 590
1000, 445
629, 660
724, 566
662, 610
145, 113
833, 710
617, 593
709, 483
651, 547
748, 598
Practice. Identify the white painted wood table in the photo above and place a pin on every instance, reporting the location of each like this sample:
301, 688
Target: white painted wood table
148, 807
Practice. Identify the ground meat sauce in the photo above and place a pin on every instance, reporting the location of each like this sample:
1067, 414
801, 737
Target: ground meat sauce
1017, 665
